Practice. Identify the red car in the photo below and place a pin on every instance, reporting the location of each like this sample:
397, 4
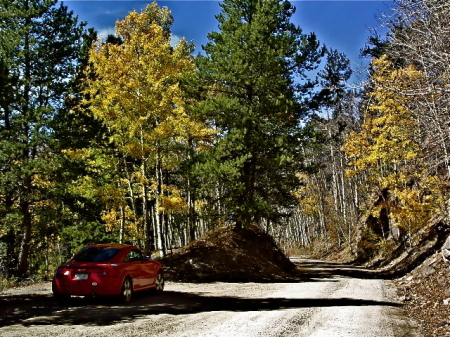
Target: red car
108, 270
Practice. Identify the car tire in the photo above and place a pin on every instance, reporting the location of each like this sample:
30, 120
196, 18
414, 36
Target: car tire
127, 290
159, 282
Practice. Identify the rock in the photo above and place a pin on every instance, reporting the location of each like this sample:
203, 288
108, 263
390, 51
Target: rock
426, 271
446, 250
431, 261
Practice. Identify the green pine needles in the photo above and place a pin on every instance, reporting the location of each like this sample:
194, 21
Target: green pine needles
255, 69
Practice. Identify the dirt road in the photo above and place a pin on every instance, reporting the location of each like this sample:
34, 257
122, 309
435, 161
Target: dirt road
322, 304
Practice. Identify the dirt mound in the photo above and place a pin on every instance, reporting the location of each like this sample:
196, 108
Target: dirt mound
229, 255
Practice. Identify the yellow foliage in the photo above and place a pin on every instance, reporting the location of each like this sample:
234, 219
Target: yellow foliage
85, 186
142, 179
200, 205
41, 182
387, 138
308, 197
94, 159
136, 91
114, 217
172, 201
387, 151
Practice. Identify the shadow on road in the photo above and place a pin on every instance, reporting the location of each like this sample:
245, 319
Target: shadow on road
43, 310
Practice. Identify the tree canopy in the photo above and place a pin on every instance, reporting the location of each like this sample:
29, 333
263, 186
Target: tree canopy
133, 139
40, 47
255, 69
136, 93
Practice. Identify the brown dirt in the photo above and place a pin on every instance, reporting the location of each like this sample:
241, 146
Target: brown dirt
425, 293
252, 255
422, 279
229, 255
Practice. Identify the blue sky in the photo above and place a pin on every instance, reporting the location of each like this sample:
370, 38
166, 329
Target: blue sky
341, 25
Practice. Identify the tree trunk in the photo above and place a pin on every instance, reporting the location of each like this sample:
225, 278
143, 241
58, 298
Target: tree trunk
122, 225
148, 230
160, 247
26, 191
25, 245
191, 213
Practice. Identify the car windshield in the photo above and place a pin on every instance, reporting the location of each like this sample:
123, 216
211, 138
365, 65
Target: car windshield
95, 254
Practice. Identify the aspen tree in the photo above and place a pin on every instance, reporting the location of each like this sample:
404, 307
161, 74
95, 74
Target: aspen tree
388, 151
137, 95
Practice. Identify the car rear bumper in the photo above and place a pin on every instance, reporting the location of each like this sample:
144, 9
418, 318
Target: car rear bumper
89, 287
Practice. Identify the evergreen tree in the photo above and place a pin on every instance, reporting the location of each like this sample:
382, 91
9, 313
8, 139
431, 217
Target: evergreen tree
333, 80
327, 196
255, 68
75, 133
38, 60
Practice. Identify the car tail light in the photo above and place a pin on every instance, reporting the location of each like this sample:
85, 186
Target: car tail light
62, 271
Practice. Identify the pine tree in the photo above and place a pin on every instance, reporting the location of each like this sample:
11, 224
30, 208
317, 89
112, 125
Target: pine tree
37, 60
326, 191
255, 69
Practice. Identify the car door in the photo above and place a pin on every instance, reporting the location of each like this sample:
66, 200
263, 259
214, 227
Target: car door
150, 270
132, 265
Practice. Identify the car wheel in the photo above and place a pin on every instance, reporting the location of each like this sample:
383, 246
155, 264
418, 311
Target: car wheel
127, 290
159, 283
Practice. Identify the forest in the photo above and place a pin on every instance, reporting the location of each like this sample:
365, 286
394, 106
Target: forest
131, 139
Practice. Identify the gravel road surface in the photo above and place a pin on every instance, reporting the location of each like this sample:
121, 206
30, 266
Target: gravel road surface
326, 305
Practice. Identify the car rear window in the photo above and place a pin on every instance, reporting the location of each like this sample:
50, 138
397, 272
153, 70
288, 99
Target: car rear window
95, 254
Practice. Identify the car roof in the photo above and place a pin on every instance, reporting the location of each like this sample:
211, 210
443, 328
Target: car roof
111, 245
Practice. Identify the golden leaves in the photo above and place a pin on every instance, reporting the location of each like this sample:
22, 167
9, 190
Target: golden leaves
135, 92
387, 152
386, 140
172, 201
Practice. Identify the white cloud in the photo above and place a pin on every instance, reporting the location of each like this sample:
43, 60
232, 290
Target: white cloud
103, 33
174, 40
